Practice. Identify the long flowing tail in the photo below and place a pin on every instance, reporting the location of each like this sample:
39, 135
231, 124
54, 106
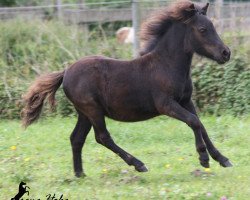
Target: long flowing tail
43, 88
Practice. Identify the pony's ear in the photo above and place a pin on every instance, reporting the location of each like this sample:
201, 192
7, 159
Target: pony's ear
204, 9
190, 11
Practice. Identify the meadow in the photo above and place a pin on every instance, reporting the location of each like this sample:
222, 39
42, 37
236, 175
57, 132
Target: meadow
41, 157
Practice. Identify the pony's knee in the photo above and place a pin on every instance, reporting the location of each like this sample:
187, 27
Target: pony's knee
98, 140
103, 139
194, 122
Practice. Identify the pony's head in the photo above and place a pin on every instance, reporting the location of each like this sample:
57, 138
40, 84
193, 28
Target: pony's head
201, 36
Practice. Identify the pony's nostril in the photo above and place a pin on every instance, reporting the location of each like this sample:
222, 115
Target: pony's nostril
225, 53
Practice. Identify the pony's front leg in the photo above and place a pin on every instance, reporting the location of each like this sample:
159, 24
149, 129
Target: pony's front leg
215, 154
173, 109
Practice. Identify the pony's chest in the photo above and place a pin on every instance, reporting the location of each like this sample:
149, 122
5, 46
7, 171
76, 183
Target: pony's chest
186, 91
178, 88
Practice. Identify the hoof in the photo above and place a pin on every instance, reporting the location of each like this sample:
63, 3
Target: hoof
205, 164
142, 168
226, 164
80, 174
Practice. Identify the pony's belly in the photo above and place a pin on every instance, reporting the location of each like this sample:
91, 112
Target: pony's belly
131, 118
130, 115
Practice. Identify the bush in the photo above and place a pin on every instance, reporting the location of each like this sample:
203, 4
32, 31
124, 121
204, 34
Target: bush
223, 89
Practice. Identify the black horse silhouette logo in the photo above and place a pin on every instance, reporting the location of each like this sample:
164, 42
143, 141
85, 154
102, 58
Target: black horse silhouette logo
22, 191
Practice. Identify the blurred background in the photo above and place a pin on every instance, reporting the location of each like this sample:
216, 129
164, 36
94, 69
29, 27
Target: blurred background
41, 36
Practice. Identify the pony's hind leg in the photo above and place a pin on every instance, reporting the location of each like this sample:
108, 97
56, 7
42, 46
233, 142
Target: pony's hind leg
77, 140
103, 137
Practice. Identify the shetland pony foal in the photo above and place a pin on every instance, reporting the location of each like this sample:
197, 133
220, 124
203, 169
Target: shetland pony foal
157, 83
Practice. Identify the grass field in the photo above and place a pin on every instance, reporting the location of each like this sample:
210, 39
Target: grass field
41, 156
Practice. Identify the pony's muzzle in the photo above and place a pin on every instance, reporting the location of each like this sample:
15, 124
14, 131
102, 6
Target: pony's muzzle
225, 54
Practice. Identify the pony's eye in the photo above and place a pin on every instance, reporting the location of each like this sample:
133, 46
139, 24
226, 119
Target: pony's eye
202, 29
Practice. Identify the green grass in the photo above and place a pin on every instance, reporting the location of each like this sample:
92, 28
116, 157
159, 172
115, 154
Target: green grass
42, 158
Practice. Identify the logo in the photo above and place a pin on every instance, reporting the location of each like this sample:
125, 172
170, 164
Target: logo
22, 191
23, 188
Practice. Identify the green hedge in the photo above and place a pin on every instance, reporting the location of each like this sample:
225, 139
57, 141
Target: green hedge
29, 49
223, 89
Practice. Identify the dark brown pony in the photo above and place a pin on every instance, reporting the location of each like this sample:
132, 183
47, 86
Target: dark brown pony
157, 83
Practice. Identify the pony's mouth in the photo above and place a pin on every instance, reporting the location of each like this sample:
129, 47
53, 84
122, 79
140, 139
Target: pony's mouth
222, 60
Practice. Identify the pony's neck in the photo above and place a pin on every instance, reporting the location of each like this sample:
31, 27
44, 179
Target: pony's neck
172, 46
